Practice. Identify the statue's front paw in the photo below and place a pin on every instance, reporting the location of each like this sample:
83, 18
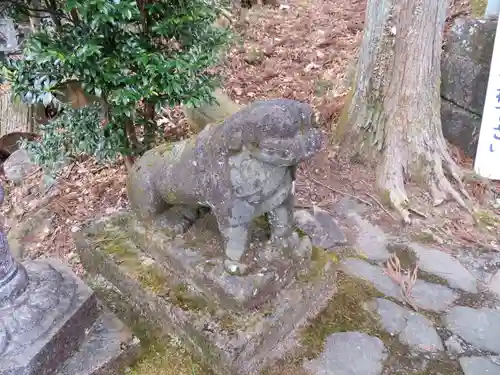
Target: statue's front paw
235, 268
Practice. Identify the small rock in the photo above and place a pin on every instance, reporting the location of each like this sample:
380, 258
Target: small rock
454, 345
427, 296
412, 328
321, 227
75, 228
443, 265
18, 166
480, 365
27, 233
371, 241
494, 283
478, 327
349, 353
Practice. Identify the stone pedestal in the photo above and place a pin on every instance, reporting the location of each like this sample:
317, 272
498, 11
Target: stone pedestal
49, 319
233, 324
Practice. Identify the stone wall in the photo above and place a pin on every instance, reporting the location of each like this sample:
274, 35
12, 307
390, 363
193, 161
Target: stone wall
465, 69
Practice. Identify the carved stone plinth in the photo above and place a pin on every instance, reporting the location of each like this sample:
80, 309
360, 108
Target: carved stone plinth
50, 322
53, 321
47, 322
233, 324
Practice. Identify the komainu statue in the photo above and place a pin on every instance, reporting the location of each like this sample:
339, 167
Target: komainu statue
240, 169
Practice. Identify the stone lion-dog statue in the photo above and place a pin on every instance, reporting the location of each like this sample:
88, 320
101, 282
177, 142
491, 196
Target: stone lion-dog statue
240, 169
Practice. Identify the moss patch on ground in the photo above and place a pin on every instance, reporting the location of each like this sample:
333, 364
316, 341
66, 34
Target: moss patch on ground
171, 360
320, 260
344, 313
159, 355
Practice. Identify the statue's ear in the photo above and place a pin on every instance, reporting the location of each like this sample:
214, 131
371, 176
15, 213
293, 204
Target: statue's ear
235, 141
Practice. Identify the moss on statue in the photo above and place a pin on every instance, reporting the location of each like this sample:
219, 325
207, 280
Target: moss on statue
165, 147
262, 222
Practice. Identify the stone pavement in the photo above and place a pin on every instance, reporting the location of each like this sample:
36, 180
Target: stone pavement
455, 330
359, 321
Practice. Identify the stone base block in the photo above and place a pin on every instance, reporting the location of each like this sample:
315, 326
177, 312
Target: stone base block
109, 347
169, 282
43, 326
197, 256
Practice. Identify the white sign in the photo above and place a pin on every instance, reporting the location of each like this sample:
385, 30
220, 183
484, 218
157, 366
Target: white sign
487, 163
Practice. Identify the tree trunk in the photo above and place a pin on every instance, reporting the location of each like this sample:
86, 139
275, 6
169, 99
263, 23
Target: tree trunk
393, 114
14, 115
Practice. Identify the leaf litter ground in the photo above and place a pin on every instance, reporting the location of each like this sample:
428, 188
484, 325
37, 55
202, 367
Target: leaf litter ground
303, 50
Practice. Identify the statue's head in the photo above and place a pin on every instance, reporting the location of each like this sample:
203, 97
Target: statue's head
280, 132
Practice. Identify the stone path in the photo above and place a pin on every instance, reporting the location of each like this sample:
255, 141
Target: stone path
455, 330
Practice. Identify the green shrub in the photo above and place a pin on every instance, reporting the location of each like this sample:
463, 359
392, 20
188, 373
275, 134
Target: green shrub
75, 133
136, 56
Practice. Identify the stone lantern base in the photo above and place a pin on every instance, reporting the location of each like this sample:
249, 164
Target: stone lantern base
55, 326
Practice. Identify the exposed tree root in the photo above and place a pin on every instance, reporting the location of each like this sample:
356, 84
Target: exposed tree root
439, 169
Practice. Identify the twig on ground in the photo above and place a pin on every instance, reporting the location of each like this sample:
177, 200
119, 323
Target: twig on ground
418, 213
38, 169
341, 192
382, 206
379, 203
311, 205
405, 279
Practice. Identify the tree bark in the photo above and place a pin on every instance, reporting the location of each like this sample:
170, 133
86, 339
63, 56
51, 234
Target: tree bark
393, 114
14, 115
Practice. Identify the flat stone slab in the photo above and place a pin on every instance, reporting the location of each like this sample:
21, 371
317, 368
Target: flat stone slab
412, 329
439, 263
371, 241
225, 340
321, 227
427, 296
44, 326
494, 283
198, 256
479, 327
349, 353
109, 347
480, 365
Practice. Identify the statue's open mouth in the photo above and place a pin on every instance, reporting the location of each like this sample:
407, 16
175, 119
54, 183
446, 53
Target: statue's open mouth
287, 152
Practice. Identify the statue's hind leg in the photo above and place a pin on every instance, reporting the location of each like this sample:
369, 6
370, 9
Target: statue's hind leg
152, 208
179, 218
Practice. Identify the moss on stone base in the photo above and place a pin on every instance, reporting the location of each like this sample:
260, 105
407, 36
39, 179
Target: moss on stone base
171, 360
151, 277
